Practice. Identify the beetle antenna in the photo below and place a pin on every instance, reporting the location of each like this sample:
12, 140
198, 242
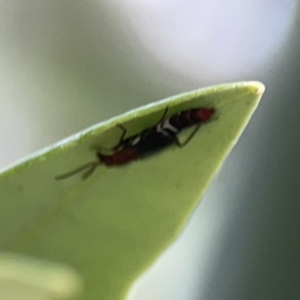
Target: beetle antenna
91, 166
89, 172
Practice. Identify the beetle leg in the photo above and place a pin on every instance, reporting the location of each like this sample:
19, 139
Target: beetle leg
164, 115
182, 144
124, 131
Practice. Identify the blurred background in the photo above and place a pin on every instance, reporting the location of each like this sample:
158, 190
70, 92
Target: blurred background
66, 65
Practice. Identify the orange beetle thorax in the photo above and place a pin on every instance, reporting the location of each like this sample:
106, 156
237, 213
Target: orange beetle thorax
120, 157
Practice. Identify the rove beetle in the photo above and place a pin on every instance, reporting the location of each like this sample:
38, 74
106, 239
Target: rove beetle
151, 140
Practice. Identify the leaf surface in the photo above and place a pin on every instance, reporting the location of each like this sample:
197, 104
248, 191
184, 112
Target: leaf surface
114, 225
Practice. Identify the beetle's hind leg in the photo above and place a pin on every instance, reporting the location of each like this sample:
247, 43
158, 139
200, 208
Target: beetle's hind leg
189, 138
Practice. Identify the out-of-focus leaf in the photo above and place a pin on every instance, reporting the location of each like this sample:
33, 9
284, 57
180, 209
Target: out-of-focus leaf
26, 278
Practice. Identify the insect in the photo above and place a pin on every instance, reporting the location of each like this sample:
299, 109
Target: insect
151, 140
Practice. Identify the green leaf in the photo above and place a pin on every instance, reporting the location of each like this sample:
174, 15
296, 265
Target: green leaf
114, 225
25, 278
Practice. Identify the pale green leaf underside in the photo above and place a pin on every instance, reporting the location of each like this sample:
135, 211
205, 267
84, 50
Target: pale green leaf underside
114, 225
